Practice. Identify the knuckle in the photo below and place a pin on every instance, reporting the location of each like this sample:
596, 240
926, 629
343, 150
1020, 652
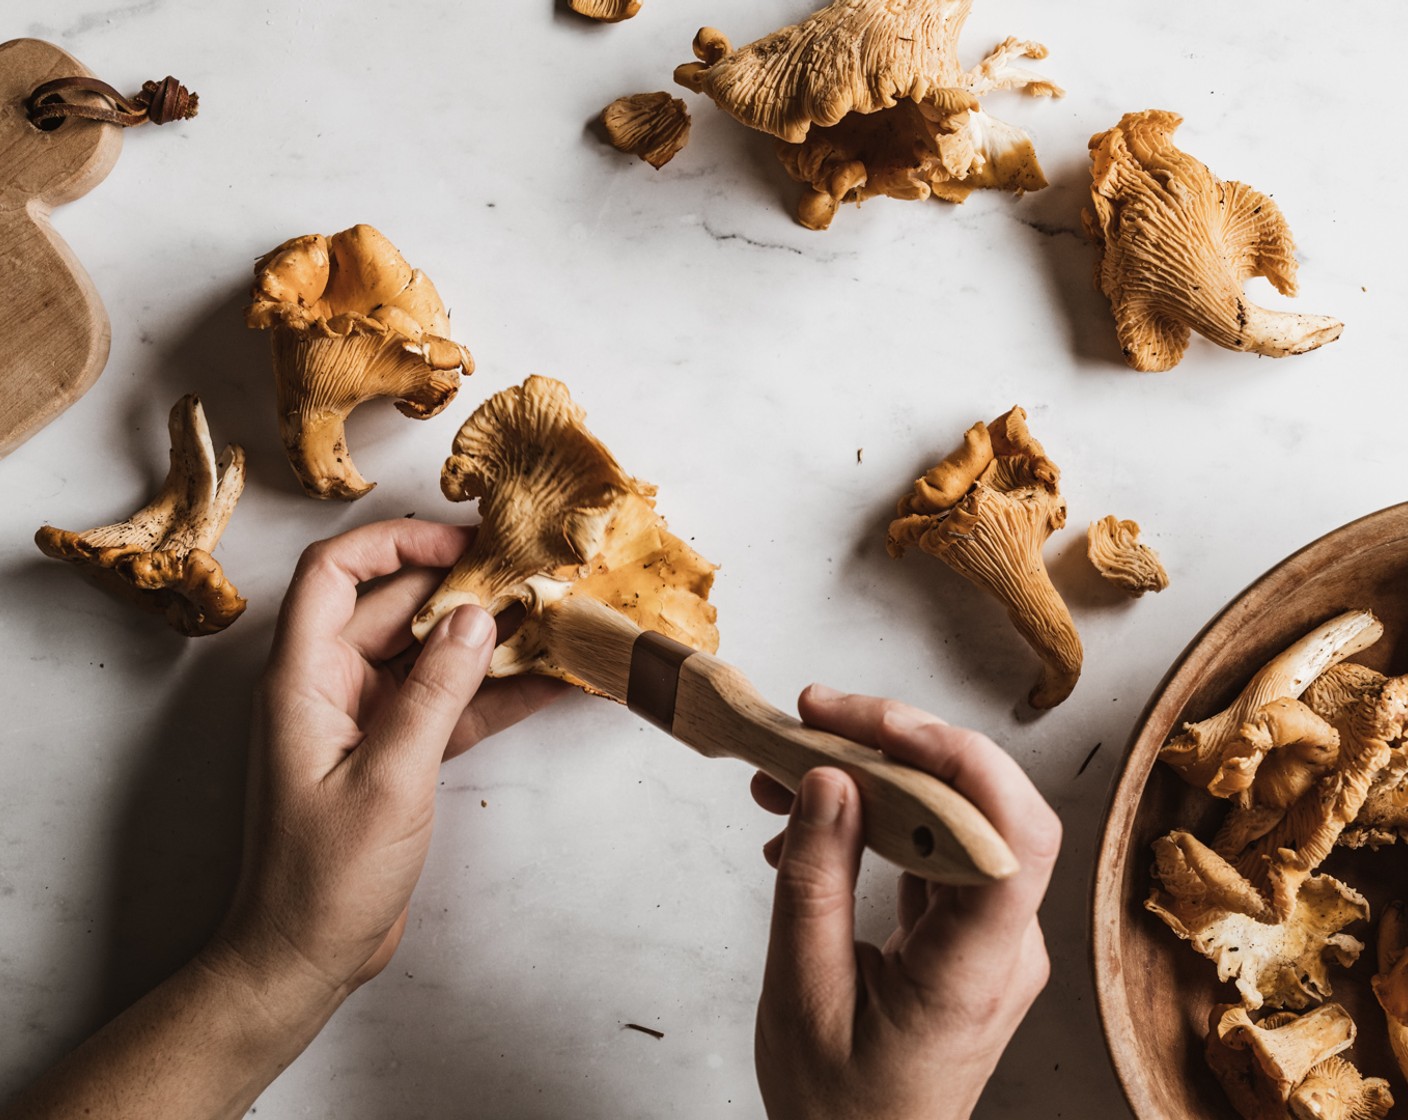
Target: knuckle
810, 888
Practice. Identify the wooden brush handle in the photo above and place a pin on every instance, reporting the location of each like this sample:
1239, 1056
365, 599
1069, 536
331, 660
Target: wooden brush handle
911, 818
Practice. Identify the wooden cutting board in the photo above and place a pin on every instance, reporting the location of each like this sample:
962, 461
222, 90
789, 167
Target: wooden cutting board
54, 334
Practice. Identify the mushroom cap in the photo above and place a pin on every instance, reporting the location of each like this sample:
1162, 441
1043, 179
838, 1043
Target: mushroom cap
1284, 963
653, 126
854, 56
867, 98
560, 518
993, 536
160, 558
351, 321
1336, 1090
1114, 548
607, 11
1176, 245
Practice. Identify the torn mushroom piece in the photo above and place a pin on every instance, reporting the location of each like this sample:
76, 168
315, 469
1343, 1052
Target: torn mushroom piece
160, 557
1176, 244
1214, 754
607, 11
561, 519
1114, 548
653, 126
1280, 963
986, 511
867, 98
351, 321
1285, 1067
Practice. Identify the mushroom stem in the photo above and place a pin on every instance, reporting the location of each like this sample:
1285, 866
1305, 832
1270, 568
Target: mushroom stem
995, 540
313, 407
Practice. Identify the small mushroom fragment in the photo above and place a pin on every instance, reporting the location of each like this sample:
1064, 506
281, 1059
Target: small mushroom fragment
986, 512
561, 519
1285, 1067
1391, 982
1214, 754
867, 97
653, 126
351, 321
1280, 963
607, 11
1113, 546
1176, 245
160, 557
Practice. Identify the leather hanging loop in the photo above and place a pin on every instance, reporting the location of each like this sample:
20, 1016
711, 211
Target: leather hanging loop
158, 102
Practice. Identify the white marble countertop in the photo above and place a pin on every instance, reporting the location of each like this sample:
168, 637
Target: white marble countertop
782, 388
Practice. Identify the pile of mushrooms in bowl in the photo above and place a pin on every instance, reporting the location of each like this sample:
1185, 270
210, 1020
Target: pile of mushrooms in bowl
1294, 1026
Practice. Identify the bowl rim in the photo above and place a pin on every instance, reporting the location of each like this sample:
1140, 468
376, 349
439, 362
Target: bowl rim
1381, 527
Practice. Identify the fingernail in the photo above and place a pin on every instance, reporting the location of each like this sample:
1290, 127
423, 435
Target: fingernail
903, 719
822, 692
820, 800
470, 626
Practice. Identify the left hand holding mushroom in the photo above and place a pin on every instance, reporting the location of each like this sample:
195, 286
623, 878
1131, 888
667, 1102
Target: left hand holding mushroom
344, 767
914, 1029
346, 759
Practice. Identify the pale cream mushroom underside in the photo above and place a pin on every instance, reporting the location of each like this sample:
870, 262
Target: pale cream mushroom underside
1213, 753
1390, 984
1286, 1067
607, 11
351, 321
1176, 245
160, 557
1285, 963
1116, 552
1277, 843
867, 97
560, 519
986, 511
653, 126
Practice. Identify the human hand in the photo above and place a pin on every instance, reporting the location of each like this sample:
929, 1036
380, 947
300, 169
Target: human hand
346, 754
848, 1031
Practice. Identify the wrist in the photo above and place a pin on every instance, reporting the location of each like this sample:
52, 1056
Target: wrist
282, 999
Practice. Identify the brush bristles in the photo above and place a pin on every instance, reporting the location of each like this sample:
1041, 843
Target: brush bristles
592, 642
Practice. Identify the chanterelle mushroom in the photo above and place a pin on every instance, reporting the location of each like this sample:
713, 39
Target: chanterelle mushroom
160, 557
1276, 843
1284, 963
1115, 550
608, 11
867, 97
1286, 1066
653, 126
986, 511
351, 321
1176, 245
560, 518
1209, 752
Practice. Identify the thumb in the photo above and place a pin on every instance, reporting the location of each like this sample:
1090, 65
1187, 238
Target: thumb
811, 966
418, 723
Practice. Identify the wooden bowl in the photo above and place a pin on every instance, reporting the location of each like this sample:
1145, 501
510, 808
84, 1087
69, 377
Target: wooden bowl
1154, 991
